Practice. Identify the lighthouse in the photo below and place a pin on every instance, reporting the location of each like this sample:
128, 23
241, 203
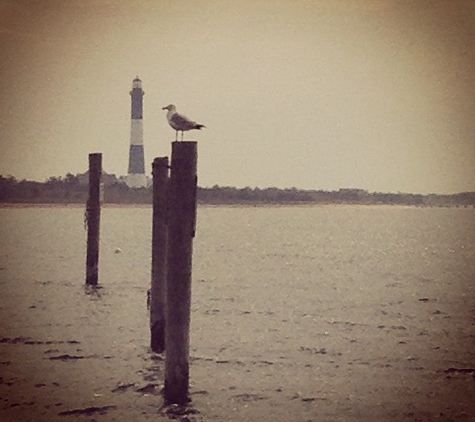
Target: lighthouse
136, 174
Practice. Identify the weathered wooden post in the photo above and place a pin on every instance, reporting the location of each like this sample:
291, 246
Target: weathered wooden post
93, 213
159, 254
181, 230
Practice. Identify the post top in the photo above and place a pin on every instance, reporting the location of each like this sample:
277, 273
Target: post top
160, 160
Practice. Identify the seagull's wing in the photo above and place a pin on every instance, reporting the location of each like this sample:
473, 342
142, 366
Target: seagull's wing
181, 122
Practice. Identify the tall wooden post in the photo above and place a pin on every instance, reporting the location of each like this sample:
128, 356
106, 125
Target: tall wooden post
181, 230
93, 213
159, 254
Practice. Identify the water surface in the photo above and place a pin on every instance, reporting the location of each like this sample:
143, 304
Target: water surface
298, 313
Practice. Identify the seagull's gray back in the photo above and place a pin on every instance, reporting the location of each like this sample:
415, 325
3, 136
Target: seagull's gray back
180, 122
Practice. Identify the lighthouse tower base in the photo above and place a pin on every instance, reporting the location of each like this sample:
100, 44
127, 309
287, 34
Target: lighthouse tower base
136, 180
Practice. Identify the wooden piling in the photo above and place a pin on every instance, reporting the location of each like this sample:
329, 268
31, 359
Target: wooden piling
93, 213
181, 230
159, 254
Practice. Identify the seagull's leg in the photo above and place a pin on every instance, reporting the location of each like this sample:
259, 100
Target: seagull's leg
176, 135
182, 135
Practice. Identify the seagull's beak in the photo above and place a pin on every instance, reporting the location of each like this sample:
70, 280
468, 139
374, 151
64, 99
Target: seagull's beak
165, 108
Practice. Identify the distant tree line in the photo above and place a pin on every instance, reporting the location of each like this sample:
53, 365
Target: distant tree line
72, 189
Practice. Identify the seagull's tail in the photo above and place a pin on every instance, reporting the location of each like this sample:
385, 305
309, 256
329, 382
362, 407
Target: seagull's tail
198, 126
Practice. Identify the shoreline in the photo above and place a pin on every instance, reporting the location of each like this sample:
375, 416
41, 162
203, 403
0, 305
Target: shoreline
17, 205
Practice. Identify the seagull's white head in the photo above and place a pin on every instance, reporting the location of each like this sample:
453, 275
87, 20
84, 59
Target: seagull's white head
169, 107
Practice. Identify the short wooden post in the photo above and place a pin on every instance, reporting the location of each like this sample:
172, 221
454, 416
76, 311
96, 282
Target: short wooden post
93, 213
159, 254
181, 230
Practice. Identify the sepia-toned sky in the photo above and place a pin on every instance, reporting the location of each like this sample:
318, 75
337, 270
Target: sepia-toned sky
313, 94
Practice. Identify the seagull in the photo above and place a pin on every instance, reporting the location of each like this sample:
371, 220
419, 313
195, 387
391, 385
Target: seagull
180, 122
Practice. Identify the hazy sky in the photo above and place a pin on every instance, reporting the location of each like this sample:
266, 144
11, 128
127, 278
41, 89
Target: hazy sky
316, 94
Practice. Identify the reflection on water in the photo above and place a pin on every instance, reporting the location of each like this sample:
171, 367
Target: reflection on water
93, 291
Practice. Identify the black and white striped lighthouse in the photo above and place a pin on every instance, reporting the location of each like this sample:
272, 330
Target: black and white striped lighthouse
136, 174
